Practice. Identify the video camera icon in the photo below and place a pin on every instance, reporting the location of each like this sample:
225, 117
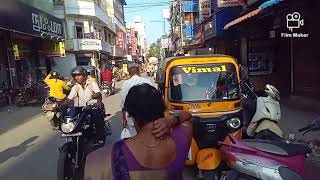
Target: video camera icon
293, 21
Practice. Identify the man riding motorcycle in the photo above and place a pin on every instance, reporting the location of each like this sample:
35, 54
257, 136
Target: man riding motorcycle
83, 91
57, 86
107, 75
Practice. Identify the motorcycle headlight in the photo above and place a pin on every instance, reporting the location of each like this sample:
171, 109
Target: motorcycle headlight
67, 127
49, 115
234, 123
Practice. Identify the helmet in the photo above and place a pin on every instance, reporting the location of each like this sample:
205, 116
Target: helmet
55, 74
79, 71
272, 92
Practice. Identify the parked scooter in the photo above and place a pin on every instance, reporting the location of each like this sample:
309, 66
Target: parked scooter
261, 114
267, 160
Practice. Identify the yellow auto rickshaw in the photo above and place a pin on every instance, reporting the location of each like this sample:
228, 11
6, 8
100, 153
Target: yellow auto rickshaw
208, 87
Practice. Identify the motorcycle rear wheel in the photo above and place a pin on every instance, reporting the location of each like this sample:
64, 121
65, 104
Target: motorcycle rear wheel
20, 104
66, 162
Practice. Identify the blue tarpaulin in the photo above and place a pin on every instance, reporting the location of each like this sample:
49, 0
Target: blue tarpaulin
190, 6
269, 3
188, 30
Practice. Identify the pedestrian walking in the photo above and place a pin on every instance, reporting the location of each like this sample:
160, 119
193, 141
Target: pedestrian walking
135, 79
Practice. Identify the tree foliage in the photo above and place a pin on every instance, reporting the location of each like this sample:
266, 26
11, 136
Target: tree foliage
155, 49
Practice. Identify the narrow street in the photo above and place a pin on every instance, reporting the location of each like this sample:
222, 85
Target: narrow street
30, 150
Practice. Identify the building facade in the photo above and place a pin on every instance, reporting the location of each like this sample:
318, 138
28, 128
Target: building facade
138, 43
91, 33
276, 53
184, 19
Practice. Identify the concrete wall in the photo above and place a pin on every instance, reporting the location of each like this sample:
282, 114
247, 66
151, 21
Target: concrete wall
44, 5
64, 65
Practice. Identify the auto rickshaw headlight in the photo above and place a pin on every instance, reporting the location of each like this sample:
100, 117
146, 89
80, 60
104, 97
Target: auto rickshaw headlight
234, 123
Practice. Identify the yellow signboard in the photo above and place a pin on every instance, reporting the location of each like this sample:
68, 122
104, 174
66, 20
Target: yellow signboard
125, 68
204, 69
16, 52
62, 49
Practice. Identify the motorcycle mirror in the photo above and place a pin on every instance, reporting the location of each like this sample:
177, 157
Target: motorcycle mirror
244, 73
96, 96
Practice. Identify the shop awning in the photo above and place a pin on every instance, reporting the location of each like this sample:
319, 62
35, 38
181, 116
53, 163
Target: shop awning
253, 13
242, 18
269, 3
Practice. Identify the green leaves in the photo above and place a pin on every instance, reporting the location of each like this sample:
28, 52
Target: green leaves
155, 49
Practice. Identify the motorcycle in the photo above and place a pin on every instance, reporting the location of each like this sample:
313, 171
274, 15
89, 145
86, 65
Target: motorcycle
50, 112
261, 114
267, 160
79, 131
32, 93
108, 88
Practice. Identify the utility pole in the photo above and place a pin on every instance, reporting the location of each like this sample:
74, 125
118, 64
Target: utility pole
181, 25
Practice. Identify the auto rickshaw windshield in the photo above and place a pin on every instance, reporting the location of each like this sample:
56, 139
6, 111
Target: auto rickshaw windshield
207, 82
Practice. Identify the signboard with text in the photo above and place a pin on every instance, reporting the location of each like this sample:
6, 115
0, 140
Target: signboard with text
89, 44
120, 40
230, 3
164, 43
204, 9
19, 17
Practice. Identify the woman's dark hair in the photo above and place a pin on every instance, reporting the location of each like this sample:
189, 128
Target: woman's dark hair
144, 103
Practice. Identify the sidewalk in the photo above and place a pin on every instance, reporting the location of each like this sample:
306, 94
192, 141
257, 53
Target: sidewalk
295, 116
11, 116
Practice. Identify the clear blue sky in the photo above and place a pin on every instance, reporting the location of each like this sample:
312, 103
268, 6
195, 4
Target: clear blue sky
154, 30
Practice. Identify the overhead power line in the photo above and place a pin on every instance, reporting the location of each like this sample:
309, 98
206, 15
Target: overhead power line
127, 12
154, 5
148, 3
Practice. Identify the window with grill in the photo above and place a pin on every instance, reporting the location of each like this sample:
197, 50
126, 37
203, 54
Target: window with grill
79, 29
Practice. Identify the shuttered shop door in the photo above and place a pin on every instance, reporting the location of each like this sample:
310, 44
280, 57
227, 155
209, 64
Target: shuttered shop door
306, 69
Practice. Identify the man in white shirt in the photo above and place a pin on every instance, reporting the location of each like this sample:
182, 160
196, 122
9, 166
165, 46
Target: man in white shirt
135, 79
85, 91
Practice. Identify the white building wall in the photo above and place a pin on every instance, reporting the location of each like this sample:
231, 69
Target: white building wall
84, 8
70, 25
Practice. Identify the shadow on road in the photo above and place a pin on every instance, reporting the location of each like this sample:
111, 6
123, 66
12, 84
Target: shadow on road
17, 150
12, 116
116, 127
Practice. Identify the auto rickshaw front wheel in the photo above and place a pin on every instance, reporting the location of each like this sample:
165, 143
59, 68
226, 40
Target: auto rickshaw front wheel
210, 175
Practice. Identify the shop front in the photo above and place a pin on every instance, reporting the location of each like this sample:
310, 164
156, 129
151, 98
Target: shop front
221, 42
30, 37
277, 54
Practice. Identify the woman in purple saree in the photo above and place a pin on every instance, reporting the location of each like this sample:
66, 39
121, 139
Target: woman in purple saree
150, 154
